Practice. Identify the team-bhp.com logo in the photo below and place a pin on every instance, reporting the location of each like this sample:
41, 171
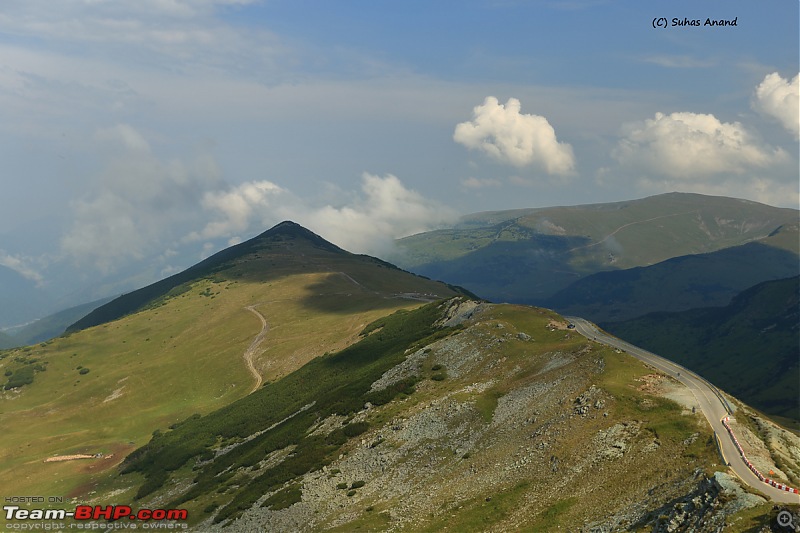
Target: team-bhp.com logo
111, 513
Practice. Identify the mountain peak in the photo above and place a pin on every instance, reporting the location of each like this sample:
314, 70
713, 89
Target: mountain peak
293, 230
286, 231
285, 226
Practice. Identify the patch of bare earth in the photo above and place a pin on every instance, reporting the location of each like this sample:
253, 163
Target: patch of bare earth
661, 385
555, 324
58, 458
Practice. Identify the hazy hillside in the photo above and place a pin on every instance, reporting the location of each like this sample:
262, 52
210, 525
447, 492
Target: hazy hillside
48, 327
749, 347
6, 341
20, 300
535, 253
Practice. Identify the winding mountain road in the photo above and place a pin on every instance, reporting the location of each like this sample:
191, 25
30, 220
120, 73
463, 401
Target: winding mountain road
710, 401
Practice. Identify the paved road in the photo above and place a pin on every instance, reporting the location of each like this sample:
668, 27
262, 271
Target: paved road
710, 401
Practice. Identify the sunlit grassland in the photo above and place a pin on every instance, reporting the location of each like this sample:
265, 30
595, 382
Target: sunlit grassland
182, 356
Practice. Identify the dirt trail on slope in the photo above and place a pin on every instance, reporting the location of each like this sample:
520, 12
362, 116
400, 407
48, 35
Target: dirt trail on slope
604, 239
250, 352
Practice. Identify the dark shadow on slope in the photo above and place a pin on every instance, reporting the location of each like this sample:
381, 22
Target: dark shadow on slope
687, 282
285, 250
523, 271
216, 265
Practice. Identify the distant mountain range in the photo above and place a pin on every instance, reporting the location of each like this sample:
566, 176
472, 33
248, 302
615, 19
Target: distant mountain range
529, 256
46, 328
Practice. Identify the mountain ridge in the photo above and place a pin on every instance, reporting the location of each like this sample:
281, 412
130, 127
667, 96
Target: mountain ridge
532, 255
135, 300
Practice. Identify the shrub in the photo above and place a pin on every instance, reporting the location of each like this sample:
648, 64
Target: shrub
341, 486
83, 371
357, 484
439, 376
284, 498
23, 376
355, 429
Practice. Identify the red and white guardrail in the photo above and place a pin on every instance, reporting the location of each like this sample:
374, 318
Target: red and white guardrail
772, 482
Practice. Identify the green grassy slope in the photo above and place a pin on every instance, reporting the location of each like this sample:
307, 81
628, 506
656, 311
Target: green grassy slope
108, 387
514, 400
533, 255
137, 299
749, 348
333, 385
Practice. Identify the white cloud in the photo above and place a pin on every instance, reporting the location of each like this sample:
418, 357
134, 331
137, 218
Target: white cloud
370, 222
779, 98
236, 209
511, 137
141, 204
22, 266
687, 146
169, 34
367, 222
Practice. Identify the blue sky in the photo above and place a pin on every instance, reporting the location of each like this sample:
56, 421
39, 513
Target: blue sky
145, 134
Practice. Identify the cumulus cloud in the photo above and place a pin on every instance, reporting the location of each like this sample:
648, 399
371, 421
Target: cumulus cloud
386, 209
511, 137
236, 209
368, 221
779, 98
142, 204
686, 146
